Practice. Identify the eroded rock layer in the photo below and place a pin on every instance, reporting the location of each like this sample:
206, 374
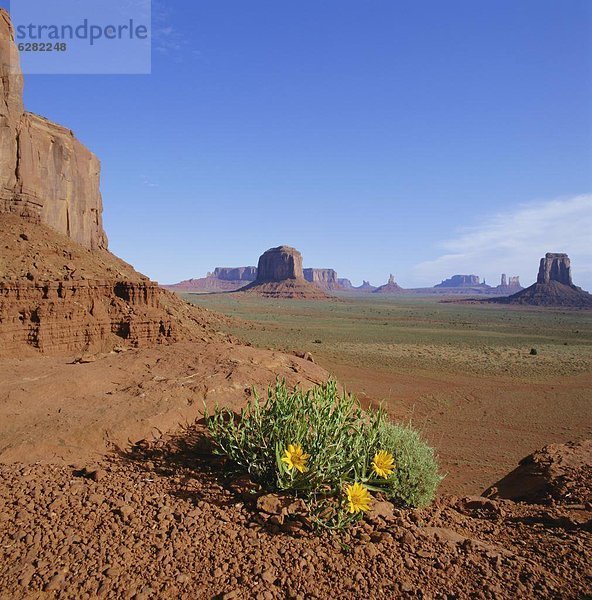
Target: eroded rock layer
68, 316
58, 297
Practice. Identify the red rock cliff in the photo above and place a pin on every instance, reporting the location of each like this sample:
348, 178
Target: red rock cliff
46, 174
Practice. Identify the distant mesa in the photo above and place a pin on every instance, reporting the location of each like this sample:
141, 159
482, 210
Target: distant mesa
326, 279
472, 284
366, 287
392, 287
508, 286
231, 279
347, 286
280, 275
554, 286
223, 279
460, 281
235, 273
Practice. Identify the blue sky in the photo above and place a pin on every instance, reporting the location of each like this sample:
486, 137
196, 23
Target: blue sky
420, 138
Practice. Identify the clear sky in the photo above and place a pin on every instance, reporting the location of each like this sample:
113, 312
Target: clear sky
416, 137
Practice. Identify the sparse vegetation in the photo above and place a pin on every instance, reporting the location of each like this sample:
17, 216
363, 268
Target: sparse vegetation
319, 443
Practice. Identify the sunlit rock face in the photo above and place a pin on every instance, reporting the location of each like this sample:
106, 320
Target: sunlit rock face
46, 174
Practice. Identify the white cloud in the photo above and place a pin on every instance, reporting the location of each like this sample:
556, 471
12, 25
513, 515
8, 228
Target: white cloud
514, 241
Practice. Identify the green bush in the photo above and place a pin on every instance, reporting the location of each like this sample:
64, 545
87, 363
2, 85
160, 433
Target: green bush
335, 443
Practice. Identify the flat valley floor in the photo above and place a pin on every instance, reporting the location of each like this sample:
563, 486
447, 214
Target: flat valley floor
487, 385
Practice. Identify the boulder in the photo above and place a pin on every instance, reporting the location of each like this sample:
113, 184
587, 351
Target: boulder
559, 473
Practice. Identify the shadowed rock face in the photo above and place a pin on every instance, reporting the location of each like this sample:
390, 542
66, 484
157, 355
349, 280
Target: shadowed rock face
279, 264
554, 286
555, 267
280, 275
557, 473
46, 174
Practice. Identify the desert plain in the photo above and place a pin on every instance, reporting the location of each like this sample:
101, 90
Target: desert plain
463, 374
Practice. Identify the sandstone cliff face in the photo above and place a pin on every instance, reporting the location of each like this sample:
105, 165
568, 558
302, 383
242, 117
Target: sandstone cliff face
326, 279
46, 174
11, 106
555, 267
61, 291
279, 264
280, 275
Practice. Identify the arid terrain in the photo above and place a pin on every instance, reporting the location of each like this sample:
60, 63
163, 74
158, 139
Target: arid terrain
463, 374
109, 483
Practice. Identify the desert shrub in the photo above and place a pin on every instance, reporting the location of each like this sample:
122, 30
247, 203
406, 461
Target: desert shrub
417, 469
320, 443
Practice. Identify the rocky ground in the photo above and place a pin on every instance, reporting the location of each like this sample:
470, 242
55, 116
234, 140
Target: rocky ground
162, 520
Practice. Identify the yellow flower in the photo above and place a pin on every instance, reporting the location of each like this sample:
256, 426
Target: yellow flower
383, 464
295, 458
358, 497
